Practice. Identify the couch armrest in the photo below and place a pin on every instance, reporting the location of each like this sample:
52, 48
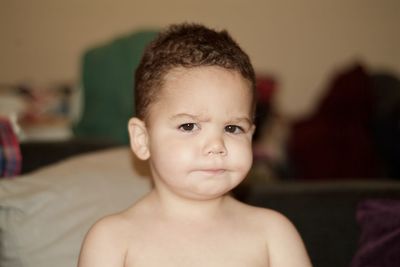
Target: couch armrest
41, 153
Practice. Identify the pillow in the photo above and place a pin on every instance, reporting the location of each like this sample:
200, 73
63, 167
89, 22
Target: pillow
45, 215
380, 234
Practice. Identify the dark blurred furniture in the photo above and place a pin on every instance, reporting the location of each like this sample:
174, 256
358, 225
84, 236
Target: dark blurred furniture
323, 212
41, 153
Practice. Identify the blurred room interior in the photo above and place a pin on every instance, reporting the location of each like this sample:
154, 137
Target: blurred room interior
310, 57
326, 149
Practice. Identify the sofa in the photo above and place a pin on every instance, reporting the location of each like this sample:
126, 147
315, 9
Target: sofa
46, 211
335, 218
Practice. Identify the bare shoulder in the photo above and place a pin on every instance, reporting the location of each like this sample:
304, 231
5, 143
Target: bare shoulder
106, 242
285, 246
110, 227
266, 217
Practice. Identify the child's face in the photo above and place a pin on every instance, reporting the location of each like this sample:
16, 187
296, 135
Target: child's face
200, 132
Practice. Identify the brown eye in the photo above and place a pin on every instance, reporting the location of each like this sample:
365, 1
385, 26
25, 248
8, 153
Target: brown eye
234, 129
188, 127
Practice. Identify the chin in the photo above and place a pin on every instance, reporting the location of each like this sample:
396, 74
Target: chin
211, 192
205, 197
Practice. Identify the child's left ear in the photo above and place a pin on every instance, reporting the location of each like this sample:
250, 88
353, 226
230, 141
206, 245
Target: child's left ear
253, 129
139, 138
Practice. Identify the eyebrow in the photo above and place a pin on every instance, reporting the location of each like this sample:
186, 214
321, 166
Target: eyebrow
206, 119
191, 116
241, 119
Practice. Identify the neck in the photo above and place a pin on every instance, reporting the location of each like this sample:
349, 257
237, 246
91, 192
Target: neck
172, 206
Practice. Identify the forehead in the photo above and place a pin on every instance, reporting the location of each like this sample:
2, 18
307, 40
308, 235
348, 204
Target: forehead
202, 89
181, 80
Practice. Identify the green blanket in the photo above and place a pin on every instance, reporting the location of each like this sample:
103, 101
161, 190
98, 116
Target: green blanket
107, 80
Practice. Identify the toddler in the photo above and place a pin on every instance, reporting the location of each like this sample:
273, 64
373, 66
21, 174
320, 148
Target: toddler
195, 103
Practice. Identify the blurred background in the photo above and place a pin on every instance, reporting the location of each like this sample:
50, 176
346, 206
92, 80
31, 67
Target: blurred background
328, 118
321, 67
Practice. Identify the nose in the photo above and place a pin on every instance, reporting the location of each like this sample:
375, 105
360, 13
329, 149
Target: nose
215, 145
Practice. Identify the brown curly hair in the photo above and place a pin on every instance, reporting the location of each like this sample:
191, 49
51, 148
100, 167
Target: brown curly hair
186, 45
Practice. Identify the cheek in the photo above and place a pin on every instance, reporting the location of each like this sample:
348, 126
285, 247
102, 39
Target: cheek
242, 156
171, 153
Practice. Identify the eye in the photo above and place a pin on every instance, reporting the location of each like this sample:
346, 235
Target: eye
234, 129
188, 127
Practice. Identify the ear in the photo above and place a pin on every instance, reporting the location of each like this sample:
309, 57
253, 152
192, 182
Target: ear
139, 138
253, 129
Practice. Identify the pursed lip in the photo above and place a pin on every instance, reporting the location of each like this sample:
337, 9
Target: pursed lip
212, 171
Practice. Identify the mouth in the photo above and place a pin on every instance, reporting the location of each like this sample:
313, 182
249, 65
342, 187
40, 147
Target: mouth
212, 171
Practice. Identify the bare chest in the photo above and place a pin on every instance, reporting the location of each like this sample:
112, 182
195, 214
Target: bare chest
204, 248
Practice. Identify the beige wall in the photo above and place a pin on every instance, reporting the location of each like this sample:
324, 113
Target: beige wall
299, 41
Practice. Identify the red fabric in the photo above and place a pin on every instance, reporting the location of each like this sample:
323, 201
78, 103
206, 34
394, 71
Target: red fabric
336, 142
10, 153
266, 87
